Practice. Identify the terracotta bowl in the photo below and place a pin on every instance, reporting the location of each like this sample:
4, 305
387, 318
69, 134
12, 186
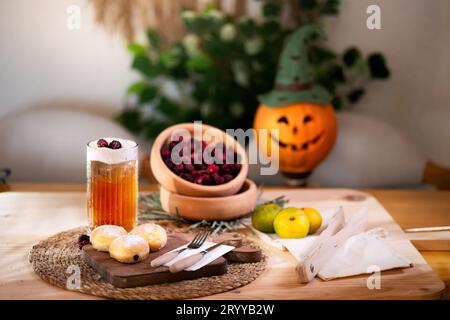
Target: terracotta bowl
171, 182
216, 208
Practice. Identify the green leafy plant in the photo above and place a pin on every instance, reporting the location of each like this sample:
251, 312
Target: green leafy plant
216, 72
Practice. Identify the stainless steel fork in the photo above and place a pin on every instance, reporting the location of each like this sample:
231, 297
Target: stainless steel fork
197, 242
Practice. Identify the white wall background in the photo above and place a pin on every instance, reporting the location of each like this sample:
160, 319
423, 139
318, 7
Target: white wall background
42, 60
415, 37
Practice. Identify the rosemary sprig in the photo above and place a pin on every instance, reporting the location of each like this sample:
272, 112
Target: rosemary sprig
281, 201
150, 209
218, 226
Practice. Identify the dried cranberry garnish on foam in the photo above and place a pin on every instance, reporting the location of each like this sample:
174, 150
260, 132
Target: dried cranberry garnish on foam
115, 144
201, 173
102, 143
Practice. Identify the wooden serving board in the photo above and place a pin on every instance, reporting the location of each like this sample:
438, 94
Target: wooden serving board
124, 275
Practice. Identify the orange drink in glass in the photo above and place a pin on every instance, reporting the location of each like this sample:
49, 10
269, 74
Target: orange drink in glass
112, 184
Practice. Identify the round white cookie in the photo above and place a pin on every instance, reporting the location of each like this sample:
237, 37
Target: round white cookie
129, 249
102, 236
154, 234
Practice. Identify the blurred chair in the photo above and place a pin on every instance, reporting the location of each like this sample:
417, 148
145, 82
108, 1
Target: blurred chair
4, 174
49, 145
370, 153
437, 176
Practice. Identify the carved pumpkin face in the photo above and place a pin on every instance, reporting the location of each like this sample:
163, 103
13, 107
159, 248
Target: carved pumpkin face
307, 133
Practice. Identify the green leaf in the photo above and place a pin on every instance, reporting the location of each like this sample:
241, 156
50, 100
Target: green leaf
240, 73
237, 110
350, 56
137, 49
356, 95
331, 7
214, 20
197, 24
199, 63
144, 66
168, 59
254, 46
167, 107
136, 87
216, 48
270, 26
147, 95
319, 55
378, 67
308, 4
153, 127
336, 73
337, 103
141, 64
270, 9
130, 119
247, 26
153, 39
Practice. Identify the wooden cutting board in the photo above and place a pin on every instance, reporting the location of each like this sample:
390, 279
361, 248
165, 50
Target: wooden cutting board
124, 275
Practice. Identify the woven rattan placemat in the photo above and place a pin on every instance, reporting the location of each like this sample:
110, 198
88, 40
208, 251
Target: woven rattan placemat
56, 258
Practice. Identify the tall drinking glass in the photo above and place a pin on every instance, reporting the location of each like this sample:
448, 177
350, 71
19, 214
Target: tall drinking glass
112, 184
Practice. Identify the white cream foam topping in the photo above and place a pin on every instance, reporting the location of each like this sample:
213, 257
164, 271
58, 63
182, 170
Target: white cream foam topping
129, 151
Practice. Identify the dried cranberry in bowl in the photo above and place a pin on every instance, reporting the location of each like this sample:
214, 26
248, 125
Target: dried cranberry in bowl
215, 171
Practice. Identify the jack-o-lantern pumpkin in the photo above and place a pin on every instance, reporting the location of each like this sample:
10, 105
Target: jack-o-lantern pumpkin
299, 109
307, 133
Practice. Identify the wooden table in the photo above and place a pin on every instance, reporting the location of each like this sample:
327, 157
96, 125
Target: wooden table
409, 209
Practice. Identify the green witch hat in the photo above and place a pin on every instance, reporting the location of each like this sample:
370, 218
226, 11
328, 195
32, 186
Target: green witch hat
294, 81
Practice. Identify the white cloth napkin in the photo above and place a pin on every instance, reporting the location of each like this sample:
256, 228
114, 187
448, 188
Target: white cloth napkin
362, 253
208, 258
358, 255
